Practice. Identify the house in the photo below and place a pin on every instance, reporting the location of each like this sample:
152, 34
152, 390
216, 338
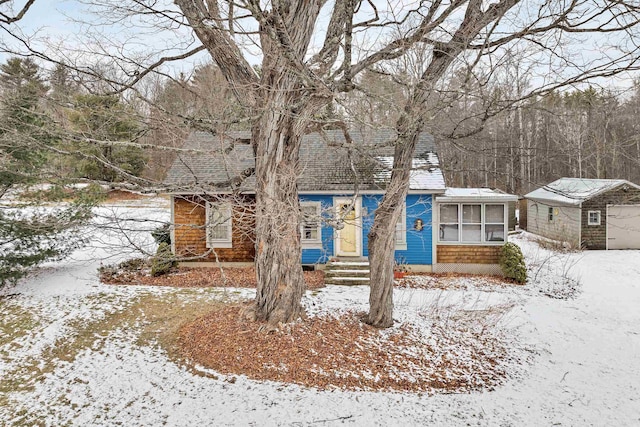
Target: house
588, 213
340, 185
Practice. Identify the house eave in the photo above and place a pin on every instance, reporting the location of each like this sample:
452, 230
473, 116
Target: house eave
555, 202
304, 192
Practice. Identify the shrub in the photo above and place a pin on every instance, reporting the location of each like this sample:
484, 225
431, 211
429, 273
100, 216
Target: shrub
162, 234
512, 263
163, 261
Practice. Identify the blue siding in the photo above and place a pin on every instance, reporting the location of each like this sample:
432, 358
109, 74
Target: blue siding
419, 243
315, 256
419, 247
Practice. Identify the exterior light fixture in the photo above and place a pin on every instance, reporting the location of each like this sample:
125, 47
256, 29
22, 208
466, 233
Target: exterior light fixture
418, 224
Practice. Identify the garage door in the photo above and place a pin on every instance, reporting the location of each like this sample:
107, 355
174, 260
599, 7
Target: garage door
623, 227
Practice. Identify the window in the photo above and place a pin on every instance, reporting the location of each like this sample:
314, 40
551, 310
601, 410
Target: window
311, 226
494, 223
472, 223
550, 217
449, 223
401, 229
594, 218
218, 225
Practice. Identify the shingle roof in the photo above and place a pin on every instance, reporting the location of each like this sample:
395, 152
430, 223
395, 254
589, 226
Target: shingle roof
327, 162
573, 191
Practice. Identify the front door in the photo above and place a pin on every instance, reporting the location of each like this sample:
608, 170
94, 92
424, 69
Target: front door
348, 239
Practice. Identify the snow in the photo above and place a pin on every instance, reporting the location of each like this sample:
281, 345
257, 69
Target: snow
576, 354
477, 194
425, 174
573, 191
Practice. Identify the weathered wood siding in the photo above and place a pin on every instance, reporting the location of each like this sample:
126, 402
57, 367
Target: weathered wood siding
468, 254
190, 237
595, 236
564, 227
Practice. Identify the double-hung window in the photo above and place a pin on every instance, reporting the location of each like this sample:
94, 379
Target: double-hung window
472, 222
219, 225
449, 223
311, 224
494, 223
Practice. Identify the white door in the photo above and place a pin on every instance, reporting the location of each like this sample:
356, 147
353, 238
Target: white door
348, 239
623, 227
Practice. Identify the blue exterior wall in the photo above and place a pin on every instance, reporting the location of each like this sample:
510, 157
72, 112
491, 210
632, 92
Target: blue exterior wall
419, 243
320, 256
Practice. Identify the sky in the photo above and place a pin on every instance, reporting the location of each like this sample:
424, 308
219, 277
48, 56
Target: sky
55, 27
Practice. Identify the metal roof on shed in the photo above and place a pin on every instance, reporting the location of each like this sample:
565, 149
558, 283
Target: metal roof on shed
574, 191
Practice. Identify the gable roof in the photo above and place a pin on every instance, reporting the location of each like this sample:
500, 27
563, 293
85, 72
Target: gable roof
574, 191
328, 162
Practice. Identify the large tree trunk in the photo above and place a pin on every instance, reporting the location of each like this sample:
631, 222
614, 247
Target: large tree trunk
284, 113
278, 249
382, 233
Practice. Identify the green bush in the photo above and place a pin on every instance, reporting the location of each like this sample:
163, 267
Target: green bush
163, 261
162, 234
512, 263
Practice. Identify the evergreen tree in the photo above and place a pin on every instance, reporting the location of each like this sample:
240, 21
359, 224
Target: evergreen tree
30, 234
23, 137
107, 128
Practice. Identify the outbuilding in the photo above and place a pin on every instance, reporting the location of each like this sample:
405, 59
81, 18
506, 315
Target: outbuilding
587, 213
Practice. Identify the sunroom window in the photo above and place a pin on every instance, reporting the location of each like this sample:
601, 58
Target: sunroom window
449, 223
494, 223
472, 223
219, 225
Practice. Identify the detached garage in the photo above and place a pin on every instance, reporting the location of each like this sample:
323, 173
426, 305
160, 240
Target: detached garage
590, 213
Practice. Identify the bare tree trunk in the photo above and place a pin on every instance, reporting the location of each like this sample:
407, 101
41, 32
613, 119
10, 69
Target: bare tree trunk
282, 107
278, 249
382, 233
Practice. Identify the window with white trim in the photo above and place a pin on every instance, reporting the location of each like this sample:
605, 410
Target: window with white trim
594, 218
219, 224
472, 222
311, 224
494, 223
401, 229
449, 223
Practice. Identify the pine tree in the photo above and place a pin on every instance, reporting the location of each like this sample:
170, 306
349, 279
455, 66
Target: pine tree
22, 122
29, 233
107, 127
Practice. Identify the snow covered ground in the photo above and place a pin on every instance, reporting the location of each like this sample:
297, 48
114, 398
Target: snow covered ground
578, 359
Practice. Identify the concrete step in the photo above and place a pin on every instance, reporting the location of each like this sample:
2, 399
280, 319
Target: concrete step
338, 273
347, 281
347, 272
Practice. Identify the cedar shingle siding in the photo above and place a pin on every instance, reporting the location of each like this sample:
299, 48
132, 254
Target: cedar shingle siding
468, 254
595, 236
190, 236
